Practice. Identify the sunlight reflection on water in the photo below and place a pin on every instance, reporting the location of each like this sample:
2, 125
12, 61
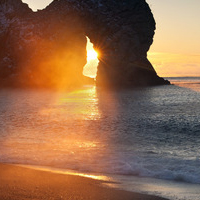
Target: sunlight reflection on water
192, 83
99, 131
70, 172
51, 128
151, 132
80, 104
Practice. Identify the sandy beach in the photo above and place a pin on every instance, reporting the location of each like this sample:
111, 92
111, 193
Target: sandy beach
22, 183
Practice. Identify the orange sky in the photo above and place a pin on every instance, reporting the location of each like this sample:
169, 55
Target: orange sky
176, 47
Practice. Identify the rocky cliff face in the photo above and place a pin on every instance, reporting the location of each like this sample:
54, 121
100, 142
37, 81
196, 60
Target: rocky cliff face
12, 23
48, 47
40, 50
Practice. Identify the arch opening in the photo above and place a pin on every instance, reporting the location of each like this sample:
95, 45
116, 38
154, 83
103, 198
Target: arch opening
90, 69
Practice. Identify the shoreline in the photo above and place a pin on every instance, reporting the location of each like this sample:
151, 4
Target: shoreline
20, 182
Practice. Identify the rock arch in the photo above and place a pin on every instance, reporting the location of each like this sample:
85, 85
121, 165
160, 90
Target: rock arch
121, 30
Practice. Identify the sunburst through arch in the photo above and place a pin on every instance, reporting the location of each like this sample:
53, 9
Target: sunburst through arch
90, 69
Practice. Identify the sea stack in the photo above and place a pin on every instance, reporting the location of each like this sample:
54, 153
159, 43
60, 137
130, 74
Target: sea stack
54, 40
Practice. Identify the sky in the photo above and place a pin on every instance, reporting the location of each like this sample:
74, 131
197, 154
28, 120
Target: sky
176, 47
37, 4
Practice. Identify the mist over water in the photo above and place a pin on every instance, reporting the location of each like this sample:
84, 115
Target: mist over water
151, 132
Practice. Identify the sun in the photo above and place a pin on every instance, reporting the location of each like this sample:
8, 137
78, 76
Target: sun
92, 55
90, 69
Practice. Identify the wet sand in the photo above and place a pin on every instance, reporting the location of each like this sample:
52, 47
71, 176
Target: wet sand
20, 183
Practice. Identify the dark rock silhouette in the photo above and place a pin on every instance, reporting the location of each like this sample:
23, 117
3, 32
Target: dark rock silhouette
40, 50
47, 48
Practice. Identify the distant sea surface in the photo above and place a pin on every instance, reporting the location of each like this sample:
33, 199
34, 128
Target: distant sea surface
147, 139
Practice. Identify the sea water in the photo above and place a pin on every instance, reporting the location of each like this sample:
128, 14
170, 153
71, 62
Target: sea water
146, 138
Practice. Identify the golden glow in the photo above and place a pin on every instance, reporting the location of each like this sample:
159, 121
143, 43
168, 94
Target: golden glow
86, 144
171, 64
96, 177
90, 69
82, 99
68, 172
60, 68
91, 55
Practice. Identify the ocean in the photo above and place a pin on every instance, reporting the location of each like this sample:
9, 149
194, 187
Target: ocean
146, 139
